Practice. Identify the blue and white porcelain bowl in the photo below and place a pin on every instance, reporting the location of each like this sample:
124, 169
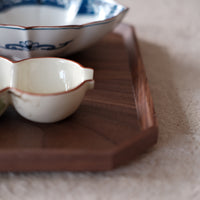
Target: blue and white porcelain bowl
35, 28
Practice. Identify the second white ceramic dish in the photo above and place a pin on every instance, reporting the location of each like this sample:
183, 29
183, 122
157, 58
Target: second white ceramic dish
32, 28
43, 89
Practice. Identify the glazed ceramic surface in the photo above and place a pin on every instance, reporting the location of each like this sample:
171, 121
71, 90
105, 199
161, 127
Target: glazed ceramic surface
32, 28
43, 89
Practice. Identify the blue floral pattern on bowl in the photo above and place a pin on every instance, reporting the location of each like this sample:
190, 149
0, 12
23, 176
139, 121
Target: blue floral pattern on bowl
30, 46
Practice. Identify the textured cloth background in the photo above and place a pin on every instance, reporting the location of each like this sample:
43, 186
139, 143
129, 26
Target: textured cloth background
169, 37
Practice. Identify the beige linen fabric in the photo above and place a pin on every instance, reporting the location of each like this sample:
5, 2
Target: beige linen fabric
169, 38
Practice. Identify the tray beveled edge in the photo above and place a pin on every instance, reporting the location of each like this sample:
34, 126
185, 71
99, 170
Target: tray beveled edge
143, 98
148, 135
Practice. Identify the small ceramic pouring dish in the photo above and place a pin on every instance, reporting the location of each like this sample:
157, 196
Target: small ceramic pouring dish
43, 89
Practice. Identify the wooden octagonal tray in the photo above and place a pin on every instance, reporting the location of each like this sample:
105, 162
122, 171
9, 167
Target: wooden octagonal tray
114, 124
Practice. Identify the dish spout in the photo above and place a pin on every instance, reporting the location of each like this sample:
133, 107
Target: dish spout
88, 76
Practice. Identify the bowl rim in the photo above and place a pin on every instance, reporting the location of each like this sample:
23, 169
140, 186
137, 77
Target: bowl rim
46, 94
98, 22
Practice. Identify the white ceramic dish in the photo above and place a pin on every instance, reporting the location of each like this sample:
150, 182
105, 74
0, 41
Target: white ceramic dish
43, 89
35, 28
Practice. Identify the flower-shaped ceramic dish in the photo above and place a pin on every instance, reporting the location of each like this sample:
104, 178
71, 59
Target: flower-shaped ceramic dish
43, 89
35, 28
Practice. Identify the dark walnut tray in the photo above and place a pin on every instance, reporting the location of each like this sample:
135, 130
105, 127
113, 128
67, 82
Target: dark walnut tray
114, 124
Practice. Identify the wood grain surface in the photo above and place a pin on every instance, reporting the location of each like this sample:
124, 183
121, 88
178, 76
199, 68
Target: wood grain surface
115, 123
